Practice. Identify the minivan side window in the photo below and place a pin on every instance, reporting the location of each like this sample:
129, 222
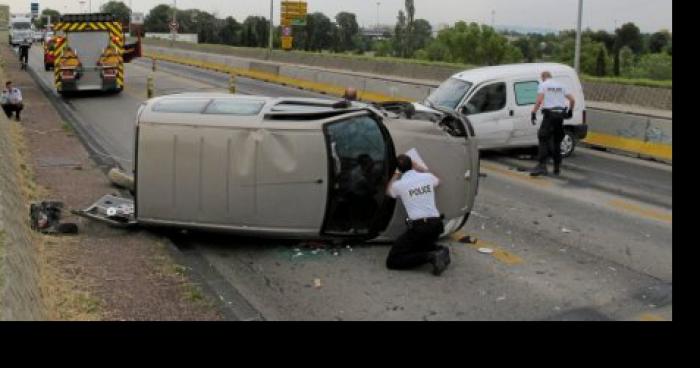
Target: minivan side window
488, 99
526, 93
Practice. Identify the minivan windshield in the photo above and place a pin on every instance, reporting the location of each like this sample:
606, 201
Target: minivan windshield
21, 25
450, 93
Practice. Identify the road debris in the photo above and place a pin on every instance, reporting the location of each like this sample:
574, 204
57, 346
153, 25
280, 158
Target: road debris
317, 283
111, 209
468, 240
501, 298
121, 179
565, 230
485, 250
45, 217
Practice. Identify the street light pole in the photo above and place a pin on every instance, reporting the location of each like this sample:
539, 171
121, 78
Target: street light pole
378, 4
577, 56
269, 55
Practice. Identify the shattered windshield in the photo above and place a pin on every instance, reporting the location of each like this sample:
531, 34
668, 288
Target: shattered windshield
450, 93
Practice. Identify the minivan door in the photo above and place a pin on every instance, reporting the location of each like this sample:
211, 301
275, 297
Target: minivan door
290, 180
487, 110
360, 153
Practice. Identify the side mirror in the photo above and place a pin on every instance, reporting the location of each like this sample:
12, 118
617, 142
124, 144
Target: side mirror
466, 110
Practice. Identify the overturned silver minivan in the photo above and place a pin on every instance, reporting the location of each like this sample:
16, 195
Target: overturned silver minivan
293, 167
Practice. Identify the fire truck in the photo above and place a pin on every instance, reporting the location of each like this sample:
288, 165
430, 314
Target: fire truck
89, 52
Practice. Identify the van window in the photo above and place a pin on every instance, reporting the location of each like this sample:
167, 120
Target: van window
526, 93
488, 99
235, 107
181, 105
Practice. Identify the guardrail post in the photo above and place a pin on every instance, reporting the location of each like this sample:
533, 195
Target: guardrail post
232, 84
153, 66
150, 86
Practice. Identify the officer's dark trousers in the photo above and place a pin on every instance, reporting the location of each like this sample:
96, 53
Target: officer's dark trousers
24, 57
11, 108
415, 246
550, 136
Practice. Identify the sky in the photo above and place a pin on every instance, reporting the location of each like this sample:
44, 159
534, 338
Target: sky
649, 15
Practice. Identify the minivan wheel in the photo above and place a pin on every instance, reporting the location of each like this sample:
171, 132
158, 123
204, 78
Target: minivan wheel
568, 144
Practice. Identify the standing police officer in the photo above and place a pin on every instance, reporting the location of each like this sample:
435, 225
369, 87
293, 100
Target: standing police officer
416, 188
24, 53
552, 97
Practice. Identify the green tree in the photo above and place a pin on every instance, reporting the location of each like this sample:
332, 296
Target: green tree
400, 35
255, 32
606, 38
657, 66
659, 41
319, 31
422, 34
626, 61
630, 36
118, 9
231, 32
347, 30
601, 63
382, 48
42, 21
438, 51
158, 19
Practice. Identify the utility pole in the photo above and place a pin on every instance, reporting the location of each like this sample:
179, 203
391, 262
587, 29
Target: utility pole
269, 54
131, 13
378, 4
493, 19
577, 57
172, 32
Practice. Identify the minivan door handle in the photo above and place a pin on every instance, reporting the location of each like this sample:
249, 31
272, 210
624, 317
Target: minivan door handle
512, 113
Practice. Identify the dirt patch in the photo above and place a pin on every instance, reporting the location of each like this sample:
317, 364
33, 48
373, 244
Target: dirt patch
103, 273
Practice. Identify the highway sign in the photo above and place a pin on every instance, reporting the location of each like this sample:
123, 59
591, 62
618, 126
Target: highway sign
35, 10
287, 43
294, 13
137, 18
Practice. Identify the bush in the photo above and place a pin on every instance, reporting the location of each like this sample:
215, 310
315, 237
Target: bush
653, 66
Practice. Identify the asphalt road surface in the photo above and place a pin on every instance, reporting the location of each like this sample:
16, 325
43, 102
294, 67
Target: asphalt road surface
594, 244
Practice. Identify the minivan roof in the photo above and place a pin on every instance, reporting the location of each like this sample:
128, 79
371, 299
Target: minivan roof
479, 75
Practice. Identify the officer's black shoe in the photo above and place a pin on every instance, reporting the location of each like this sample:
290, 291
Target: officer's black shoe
539, 171
440, 261
557, 171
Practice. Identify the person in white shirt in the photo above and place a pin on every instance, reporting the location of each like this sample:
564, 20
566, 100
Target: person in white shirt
415, 186
12, 101
552, 97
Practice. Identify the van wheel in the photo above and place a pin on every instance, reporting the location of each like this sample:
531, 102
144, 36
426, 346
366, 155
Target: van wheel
568, 144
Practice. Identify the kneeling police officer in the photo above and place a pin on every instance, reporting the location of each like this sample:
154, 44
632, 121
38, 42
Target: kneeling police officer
416, 188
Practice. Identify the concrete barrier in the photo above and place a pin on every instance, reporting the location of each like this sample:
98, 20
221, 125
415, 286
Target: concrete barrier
642, 135
639, 134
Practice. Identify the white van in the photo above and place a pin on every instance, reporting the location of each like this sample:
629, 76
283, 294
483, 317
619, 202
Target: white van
498, 102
